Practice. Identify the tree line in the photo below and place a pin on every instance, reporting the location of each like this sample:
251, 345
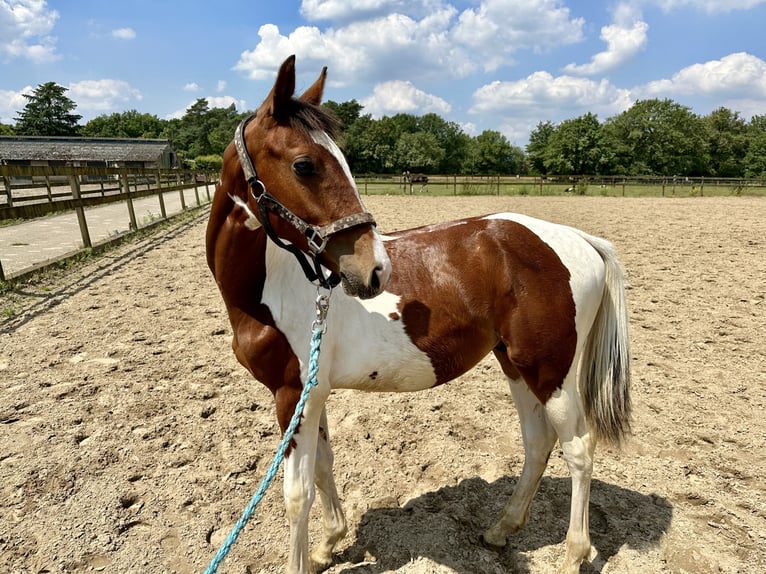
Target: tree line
652, 137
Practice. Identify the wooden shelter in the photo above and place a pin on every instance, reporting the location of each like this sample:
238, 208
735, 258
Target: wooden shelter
87, 152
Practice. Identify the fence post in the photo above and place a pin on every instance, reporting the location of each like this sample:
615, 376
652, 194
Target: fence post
74, 183
48, 187
196, 189
179, 183
126, 191
207, 185
7, 185
159, 194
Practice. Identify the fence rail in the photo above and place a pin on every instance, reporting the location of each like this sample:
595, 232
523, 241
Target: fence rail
32, 191
561, 185
29, 192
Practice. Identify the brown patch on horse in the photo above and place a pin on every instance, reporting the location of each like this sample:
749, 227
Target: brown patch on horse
511, 302
258, 345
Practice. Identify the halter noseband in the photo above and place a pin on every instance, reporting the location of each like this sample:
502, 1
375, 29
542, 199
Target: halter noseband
316, 236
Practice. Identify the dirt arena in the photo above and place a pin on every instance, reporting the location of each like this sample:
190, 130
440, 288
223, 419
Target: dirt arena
131, 440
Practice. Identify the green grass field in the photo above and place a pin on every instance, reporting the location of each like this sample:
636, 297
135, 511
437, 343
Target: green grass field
611, 187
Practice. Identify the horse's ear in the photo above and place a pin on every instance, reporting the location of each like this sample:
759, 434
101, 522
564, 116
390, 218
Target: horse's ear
283, 90
313, 95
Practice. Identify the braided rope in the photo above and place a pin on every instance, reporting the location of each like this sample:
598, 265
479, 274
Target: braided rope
311, 381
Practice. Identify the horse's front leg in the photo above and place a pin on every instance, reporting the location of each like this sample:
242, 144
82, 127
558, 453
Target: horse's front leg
334, 519
299, 469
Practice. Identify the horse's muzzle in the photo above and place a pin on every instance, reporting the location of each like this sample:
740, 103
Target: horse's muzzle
368, 277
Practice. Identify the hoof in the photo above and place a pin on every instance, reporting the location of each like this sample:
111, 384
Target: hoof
320, 563
493, 539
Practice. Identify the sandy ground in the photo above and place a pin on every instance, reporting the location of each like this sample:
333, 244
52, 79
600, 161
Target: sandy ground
131, 440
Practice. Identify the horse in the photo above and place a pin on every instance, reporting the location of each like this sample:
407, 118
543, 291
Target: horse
410, 178
417, 308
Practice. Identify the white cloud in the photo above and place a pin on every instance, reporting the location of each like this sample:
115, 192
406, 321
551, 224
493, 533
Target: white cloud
547, 96
101, 96
499, 28
220, 86
191, 87
25, 27
399, 46
345, 10
124, 33
740, 75
622, 43
11, 103
373, 50
225, 102
709, 6
402, 97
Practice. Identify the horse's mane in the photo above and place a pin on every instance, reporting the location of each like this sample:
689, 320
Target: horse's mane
308, 117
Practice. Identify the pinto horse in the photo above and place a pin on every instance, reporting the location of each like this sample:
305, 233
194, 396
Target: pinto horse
417, 308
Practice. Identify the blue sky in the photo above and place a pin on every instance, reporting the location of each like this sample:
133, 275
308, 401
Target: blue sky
486, 64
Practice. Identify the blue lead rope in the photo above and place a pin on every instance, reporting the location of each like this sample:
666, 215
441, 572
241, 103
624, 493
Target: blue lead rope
318, 330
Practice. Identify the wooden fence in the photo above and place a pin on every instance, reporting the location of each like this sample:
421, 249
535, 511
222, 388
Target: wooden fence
624, 186
29, 192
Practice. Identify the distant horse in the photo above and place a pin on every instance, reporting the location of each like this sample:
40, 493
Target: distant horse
418, 308
410, 178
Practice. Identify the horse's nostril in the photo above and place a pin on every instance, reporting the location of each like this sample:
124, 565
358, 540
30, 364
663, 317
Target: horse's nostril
375, 279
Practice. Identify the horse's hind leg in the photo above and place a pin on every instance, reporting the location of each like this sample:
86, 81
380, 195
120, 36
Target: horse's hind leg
334, 519
538, 437
566, 414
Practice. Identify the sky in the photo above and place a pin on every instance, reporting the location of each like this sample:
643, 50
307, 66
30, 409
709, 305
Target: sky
503, 65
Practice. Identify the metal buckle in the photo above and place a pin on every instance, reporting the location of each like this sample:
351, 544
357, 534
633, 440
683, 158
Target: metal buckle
316, 241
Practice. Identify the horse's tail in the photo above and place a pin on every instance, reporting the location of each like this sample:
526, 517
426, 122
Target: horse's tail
605, 364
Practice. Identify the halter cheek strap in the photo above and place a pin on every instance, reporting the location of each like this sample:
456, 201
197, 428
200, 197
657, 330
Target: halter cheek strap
316, 236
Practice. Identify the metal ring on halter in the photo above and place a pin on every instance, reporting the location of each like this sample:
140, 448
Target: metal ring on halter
252, 188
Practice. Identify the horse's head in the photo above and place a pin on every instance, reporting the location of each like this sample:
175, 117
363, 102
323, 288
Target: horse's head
302, 190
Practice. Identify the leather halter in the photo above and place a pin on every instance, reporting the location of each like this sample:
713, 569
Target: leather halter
316, 236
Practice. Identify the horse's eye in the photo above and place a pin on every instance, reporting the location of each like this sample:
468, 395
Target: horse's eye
303, 167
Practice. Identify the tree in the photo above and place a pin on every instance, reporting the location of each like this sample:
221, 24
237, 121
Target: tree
130, 124
451, 139
370, 144
347, 112
538, 142
48, 112
418, 151
727, 142
754, 162
491, 153
576, 148
202, 131
657, 137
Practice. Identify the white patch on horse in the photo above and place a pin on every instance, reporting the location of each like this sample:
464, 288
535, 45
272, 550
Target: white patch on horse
364, 347
251, 222
386, 304
321, 138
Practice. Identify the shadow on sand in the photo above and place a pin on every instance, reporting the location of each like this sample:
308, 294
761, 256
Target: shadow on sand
445, 525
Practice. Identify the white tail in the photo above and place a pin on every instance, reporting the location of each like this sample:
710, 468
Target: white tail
605, 365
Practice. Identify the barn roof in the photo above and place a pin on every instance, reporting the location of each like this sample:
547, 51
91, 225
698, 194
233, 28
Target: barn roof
42, 148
